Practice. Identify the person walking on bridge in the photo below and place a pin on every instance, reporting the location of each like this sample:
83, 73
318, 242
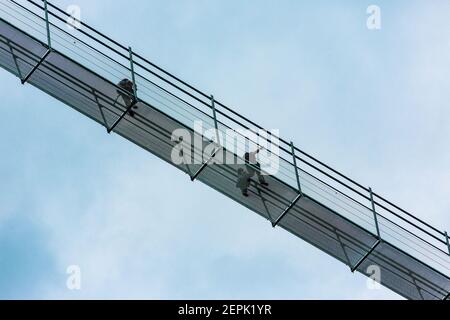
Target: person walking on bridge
127, 86
253, 166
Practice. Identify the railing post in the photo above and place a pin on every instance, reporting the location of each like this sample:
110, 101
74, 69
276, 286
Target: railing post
297, 175
47, 22
366, 255
300, 193
448, 242
28, 76
378, 234
133, 77
195, 176
135, 99
49, 44
216, 125
101, 110
375, 214
286, 211
14, 58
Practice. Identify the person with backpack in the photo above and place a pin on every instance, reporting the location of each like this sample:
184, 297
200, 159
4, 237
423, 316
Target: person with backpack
253, 166
128, 86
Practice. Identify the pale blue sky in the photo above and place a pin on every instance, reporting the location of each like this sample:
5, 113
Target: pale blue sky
373, 104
